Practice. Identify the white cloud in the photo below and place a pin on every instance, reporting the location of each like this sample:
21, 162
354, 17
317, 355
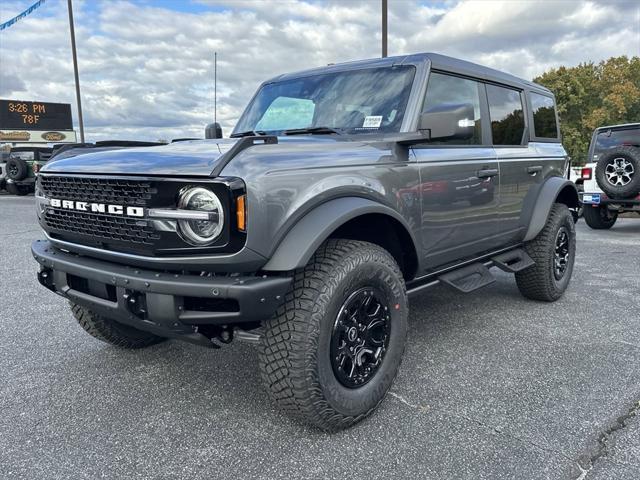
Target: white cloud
146, 71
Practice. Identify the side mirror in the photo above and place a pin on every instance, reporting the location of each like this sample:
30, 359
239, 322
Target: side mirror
213, 130
448, 122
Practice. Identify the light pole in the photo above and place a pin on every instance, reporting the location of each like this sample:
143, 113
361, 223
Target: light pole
75, 69
384, 28
215, 87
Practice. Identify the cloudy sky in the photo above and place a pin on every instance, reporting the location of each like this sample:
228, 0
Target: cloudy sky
146, 66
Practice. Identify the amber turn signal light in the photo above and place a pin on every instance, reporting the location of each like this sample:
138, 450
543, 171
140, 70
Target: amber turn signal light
241, 213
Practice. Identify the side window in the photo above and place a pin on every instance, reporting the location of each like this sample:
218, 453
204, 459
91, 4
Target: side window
544, 116
507, 115
447, 90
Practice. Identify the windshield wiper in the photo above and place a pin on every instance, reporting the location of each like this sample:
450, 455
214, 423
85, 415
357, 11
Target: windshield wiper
248, 133
311, 130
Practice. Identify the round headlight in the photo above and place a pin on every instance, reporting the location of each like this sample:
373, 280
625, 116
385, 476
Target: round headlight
201, 232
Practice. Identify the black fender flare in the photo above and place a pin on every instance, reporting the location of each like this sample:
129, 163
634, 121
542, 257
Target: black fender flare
300, 243
555, 189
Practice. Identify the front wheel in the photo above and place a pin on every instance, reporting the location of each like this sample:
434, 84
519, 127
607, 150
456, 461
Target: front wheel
599, 218
332, 351
553, 251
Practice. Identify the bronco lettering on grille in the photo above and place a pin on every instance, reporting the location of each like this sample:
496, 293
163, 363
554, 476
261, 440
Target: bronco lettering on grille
97, 207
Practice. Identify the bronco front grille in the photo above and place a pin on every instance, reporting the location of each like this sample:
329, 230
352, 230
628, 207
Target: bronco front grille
126, 233
101, 227
136, 193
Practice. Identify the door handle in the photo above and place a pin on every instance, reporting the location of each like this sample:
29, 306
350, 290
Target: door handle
534, 170
487, 173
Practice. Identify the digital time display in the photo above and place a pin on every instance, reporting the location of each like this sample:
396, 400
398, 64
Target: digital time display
22, 115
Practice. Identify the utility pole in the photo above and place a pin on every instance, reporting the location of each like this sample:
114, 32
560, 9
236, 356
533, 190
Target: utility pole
384, 28
75, 68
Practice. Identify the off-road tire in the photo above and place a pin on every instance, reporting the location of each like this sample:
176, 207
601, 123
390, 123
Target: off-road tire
629, 154
294, 352
17, 169
20, 190
113, 332
539, 282
599, 218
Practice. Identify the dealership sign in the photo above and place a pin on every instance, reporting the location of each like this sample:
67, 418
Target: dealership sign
35, 122
37, 136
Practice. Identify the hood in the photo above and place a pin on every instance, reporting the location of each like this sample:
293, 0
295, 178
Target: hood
189, 158
197, 158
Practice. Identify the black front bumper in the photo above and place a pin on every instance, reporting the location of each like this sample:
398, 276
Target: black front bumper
167, 304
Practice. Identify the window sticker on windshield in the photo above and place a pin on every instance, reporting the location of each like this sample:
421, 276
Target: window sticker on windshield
372, 121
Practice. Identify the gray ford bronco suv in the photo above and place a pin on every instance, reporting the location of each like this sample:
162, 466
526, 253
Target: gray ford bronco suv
342, 190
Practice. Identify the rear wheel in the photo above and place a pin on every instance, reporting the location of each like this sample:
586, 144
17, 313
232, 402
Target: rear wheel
111, 331
553, 252
332, 351
599, 218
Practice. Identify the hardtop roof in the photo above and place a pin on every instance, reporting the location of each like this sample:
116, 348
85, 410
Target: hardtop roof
438, 62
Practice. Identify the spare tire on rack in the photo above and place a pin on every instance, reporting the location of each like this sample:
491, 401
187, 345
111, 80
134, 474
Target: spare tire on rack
17, 169
618, 172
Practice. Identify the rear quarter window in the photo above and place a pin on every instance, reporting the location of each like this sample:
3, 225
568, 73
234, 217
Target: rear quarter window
544, 116
507, 115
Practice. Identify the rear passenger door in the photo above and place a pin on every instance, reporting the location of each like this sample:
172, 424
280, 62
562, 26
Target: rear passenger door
459, 179
521, 167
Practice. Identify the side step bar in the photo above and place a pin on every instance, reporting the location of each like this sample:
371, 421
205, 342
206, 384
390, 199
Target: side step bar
476, 275
470, 278
513, 261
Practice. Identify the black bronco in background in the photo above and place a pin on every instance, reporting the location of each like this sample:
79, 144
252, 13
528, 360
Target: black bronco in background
343, 190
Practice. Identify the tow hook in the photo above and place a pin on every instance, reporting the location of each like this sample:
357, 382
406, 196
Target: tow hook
136, 304
45, 277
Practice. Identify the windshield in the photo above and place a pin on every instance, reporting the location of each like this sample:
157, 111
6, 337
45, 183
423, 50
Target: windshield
360, 101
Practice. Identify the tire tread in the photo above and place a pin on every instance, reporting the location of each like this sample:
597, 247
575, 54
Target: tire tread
535, 282
285, 349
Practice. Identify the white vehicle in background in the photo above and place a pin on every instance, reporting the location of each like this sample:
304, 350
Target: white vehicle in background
611, 178
3, 171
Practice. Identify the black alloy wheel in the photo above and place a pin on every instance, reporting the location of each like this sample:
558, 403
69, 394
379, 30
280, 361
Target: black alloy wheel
360, 337
561, 254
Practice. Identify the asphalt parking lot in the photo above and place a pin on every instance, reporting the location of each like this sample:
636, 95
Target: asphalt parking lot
492, 386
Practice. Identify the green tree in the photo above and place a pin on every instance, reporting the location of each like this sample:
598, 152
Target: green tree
591, 95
